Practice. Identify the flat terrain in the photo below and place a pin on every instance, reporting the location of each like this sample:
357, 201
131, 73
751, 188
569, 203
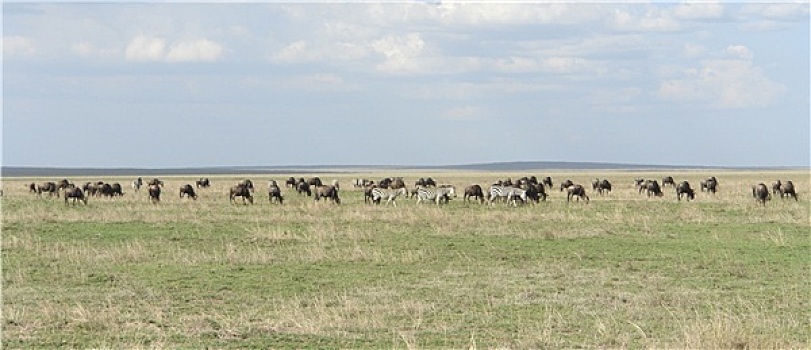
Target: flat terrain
624, 270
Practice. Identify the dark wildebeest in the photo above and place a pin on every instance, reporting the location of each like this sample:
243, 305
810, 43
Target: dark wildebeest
32, 188
508, 182
668, 180
63, 185
566, 184
601, 186
547, 181
776, 187
761, 193
48, 187
788, 190
576, 190
474, 191
188, 191
329, 192
155, 182
385, 183
203, 182
639, 183
240, 190
75, 194
291, 182
154, 193
425, 182
274, 192
710, 184
116, 190
652, 188
137, 183
367, 193
397, 183
247, 183
541, 191
315, 181
684, 189
303, 188
105, 189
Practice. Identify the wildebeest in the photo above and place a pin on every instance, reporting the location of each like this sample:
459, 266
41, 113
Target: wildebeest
540, 192
710, 184
397, 183
315, 181
203, 182
116, 190
48, 187
367, 192
274, 192
248, 184
566, 184
188, 191
601, 186
63, 185
788, 190
32, 187
75, 194
576, 190
668, 180
155, 182
761, 193
291, 182
652, 188
240, 190
302, 187
474, 191
329, 192
776, 186
547, 181
154, 193
426, 182
137, 183
684, 189
104, 189
361, 183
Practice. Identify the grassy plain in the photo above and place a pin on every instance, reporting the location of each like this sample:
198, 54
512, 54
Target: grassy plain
624, 271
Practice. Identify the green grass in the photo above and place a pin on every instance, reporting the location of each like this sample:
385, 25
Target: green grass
622, 271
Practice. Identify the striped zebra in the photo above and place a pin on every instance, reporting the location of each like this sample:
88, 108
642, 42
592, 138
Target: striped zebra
508, 193
389, 194
435, 194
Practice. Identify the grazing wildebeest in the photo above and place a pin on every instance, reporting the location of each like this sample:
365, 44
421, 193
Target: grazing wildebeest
240, 190
155, 182
291, 182
154, 193
639, 183
761, 193
684, 189
668, 180
776, 186
75, 194
565, 184
48, 187
274, 192
576, 190
601, 186
652, 188
474, 191
329, 192
188, 191
105, 189
137, 183
303, 188
203, 182
710, 184
788, 190
547, 181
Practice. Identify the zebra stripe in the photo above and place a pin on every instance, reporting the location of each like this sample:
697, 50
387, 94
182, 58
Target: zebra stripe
509, 193
389, 194
435, 194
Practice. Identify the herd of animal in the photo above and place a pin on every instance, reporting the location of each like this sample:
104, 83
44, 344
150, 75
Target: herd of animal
527, 189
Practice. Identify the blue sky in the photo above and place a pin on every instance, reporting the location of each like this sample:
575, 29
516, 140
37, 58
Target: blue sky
407, 83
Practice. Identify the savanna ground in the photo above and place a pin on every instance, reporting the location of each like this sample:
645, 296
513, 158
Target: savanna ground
623, 271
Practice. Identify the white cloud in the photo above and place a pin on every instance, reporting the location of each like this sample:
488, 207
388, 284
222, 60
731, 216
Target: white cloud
144, 48
699, 10
740, 51
784, 11
18, 45
652, 21
465, 113
401, 53
201, 50
723, 84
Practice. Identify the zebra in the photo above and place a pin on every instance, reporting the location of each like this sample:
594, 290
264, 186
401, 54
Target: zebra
435, 194
507, 192
389, 194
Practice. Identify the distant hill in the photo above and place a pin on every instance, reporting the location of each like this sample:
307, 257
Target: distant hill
13, 171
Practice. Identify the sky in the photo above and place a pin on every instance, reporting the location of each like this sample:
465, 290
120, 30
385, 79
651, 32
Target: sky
160, 85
